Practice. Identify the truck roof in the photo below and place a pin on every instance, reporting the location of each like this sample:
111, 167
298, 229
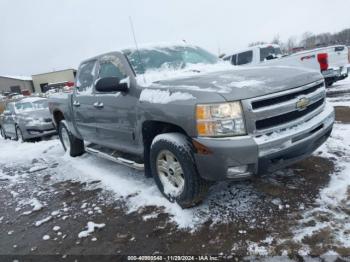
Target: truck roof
144, 46
251, 48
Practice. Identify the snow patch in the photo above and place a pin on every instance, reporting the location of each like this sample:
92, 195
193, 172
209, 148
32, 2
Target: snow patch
150, 216
35, 203
190, 70
247, 83
255, 250
40, 222
163, 97
37, 168
91, 226
46, 237
55, 213
18, 77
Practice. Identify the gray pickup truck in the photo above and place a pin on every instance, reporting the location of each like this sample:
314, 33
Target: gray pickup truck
188, 120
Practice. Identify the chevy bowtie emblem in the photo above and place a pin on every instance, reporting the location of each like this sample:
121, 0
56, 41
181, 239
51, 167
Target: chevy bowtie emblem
303, 103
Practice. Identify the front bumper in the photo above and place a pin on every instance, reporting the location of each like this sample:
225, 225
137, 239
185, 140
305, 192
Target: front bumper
36, 131
263, 154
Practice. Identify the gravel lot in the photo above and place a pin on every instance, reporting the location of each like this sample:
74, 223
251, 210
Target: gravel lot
54, 204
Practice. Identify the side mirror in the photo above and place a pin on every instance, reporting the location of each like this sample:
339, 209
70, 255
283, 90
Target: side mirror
111, 84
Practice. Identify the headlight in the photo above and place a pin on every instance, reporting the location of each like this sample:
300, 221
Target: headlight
224, 119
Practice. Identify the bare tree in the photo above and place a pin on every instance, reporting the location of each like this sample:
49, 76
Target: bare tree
324, 39
276, 40
308, 40
291, 43
342, 37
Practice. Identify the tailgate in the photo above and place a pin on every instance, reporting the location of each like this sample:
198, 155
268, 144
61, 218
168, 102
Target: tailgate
338, 56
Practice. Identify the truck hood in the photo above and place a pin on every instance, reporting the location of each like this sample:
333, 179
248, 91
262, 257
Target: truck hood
243, 83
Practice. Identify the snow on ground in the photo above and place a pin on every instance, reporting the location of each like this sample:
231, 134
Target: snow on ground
333, 204
241, 199
124, 182
339, 93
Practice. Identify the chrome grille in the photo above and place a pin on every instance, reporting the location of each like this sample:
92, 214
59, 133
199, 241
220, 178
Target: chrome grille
282, 110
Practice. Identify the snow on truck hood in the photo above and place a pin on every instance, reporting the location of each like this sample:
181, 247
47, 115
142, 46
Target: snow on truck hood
232, 83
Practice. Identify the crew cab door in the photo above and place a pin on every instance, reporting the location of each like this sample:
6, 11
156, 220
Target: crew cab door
83, 101
115, 111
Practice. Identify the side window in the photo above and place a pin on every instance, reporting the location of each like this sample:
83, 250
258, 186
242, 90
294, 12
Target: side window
10, 107
7, 108
245, 58
85, 77
234, 60
110, 66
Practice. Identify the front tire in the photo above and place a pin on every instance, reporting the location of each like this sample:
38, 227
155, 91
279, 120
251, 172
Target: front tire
174, 170
19, 135
329, 83
70, 143
2, 133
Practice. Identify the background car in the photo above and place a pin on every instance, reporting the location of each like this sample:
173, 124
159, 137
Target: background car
26, 119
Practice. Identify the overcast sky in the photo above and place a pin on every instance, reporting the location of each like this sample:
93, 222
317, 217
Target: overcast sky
38, 36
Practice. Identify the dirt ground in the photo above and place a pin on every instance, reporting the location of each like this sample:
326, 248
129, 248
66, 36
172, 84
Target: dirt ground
342, 114
278, 202
130, 234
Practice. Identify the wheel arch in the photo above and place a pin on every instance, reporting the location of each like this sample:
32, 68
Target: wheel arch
152, 128
57, 117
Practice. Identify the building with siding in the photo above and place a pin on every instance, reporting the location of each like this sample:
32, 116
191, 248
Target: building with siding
16, 84
57, 79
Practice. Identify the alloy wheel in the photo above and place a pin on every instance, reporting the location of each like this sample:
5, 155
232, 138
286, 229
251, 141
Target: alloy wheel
170, 173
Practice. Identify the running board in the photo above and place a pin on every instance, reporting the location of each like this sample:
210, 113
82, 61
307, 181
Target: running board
116, 159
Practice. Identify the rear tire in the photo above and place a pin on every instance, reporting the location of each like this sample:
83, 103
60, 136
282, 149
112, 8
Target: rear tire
70, 143
191, 189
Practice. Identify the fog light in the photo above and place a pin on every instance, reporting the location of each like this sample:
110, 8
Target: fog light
238, 172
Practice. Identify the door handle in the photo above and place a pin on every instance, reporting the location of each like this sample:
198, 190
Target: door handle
76, 103
98, 105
